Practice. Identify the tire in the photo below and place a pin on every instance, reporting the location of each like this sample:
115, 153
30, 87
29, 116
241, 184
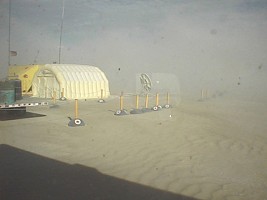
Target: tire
155, 108
77, 121
118, 112
167, 106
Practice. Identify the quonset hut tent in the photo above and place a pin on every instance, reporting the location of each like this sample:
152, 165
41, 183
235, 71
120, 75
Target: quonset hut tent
70, 81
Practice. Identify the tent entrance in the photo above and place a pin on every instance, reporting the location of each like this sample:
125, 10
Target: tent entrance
45, 85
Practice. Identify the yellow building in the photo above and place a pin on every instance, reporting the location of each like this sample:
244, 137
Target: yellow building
26, 74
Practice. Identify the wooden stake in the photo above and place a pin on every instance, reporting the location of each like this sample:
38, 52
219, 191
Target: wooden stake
168, 98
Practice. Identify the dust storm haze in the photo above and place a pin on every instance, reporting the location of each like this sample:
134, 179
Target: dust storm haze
218, 46
211, 148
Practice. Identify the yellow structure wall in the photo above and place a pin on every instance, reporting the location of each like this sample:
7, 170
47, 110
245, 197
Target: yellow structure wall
26, 74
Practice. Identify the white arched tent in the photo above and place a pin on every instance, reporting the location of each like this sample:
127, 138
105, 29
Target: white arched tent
71, 81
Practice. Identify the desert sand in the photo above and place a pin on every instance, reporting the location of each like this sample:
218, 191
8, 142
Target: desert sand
210, 149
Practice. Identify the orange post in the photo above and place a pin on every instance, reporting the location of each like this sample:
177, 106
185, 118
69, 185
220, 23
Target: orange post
157, 99
202, 94
168, 98
76, 108
121, 102
54, 96
62, 93
146, 101
137, 101
45, 92
101, 94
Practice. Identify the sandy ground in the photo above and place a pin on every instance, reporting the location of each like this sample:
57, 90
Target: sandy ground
212, 149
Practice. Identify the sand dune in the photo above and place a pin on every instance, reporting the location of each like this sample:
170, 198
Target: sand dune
214, 149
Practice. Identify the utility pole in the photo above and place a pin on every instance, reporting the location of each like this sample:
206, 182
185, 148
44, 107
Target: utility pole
61, 28
9, 30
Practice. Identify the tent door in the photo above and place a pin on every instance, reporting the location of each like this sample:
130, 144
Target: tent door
48, 84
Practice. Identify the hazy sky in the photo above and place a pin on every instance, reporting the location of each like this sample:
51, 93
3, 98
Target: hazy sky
205, 43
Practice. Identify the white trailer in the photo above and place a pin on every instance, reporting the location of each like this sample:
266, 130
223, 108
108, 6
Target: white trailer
19, 108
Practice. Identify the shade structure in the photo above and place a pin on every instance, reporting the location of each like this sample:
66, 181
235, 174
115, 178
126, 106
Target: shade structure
70, 80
